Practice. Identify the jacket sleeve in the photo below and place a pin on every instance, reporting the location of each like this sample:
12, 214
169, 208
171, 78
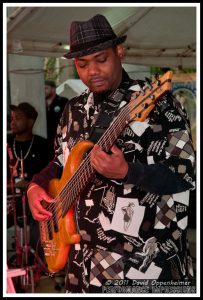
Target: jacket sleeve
169, 167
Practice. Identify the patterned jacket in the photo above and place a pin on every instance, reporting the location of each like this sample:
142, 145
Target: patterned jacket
132, 229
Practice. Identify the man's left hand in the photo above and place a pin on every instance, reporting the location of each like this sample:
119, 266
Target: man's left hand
111, 165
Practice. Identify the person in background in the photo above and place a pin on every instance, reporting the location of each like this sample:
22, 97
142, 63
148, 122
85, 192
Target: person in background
54, 108
28, 153
150, 169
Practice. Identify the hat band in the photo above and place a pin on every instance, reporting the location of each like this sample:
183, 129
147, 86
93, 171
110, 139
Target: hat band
91, 44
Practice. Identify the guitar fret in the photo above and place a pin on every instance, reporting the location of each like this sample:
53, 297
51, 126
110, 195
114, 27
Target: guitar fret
109, 139
115, 131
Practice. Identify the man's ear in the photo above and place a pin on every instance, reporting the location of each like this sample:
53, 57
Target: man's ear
120, 51
31, 122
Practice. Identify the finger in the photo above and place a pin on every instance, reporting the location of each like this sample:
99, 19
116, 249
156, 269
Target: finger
45, 212
97, 151
41, 213
48, 199
41, 217
115, 149
38, 208
94, 163
97, 147
43, 195
94, 157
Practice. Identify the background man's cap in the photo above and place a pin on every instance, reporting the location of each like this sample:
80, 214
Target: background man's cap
92, 36
28, 110
50, 83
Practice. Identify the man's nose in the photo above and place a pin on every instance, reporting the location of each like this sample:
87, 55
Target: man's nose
93, 69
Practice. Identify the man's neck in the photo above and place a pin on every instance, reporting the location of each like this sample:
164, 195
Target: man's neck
24, 137
50, 100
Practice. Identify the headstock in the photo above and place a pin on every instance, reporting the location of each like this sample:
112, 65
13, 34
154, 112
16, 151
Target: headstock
141, 104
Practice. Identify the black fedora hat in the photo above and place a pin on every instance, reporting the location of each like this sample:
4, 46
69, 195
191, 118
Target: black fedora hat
87, 37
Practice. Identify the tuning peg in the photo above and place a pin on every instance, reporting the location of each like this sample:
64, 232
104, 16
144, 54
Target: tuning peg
133, 96
148, 82
158, 82
142, 91
151, 96
141, 84
138, 115
145, 105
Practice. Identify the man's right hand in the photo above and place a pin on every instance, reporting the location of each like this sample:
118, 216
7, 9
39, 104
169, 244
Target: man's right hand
35, 195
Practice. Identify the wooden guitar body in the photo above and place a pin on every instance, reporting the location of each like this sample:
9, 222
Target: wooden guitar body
57, 248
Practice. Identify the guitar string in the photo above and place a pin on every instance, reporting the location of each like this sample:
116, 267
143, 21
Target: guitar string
73, 181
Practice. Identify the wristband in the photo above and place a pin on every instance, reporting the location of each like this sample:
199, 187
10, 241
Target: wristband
29, 189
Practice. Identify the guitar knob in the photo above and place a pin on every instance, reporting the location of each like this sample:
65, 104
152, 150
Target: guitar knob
148, 82
138, 115
158, 82
145, 105
151, 97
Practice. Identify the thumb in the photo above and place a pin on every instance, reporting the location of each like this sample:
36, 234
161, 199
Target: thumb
36, 190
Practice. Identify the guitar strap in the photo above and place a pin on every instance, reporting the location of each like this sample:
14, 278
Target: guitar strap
109, 110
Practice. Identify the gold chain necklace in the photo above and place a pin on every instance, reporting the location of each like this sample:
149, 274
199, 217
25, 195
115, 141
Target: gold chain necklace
28, 151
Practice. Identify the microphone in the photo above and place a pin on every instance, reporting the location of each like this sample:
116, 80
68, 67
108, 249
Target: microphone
10, 154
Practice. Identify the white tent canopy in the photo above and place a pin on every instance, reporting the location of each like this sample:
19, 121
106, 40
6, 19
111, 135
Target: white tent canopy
156, 35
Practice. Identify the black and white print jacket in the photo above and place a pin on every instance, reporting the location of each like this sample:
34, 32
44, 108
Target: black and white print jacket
137, 228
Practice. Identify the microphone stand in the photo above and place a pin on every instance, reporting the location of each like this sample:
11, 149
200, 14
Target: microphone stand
17, 242
25, 248
28, 278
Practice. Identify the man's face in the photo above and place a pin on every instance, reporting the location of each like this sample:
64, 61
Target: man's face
49, 91
19, 123
100, 71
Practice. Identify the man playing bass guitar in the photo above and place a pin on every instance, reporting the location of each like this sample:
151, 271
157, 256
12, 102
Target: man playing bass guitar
113, 203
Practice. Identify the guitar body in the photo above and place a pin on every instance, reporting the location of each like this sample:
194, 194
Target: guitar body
57, 249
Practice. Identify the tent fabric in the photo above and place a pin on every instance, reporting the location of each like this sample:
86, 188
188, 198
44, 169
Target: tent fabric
163, 36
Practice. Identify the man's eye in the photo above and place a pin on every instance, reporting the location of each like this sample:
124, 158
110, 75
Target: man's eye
82, 65
102, 60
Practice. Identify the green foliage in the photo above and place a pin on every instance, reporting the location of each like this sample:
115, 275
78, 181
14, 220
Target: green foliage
51, 71
189, 70
161, 71
156, 70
